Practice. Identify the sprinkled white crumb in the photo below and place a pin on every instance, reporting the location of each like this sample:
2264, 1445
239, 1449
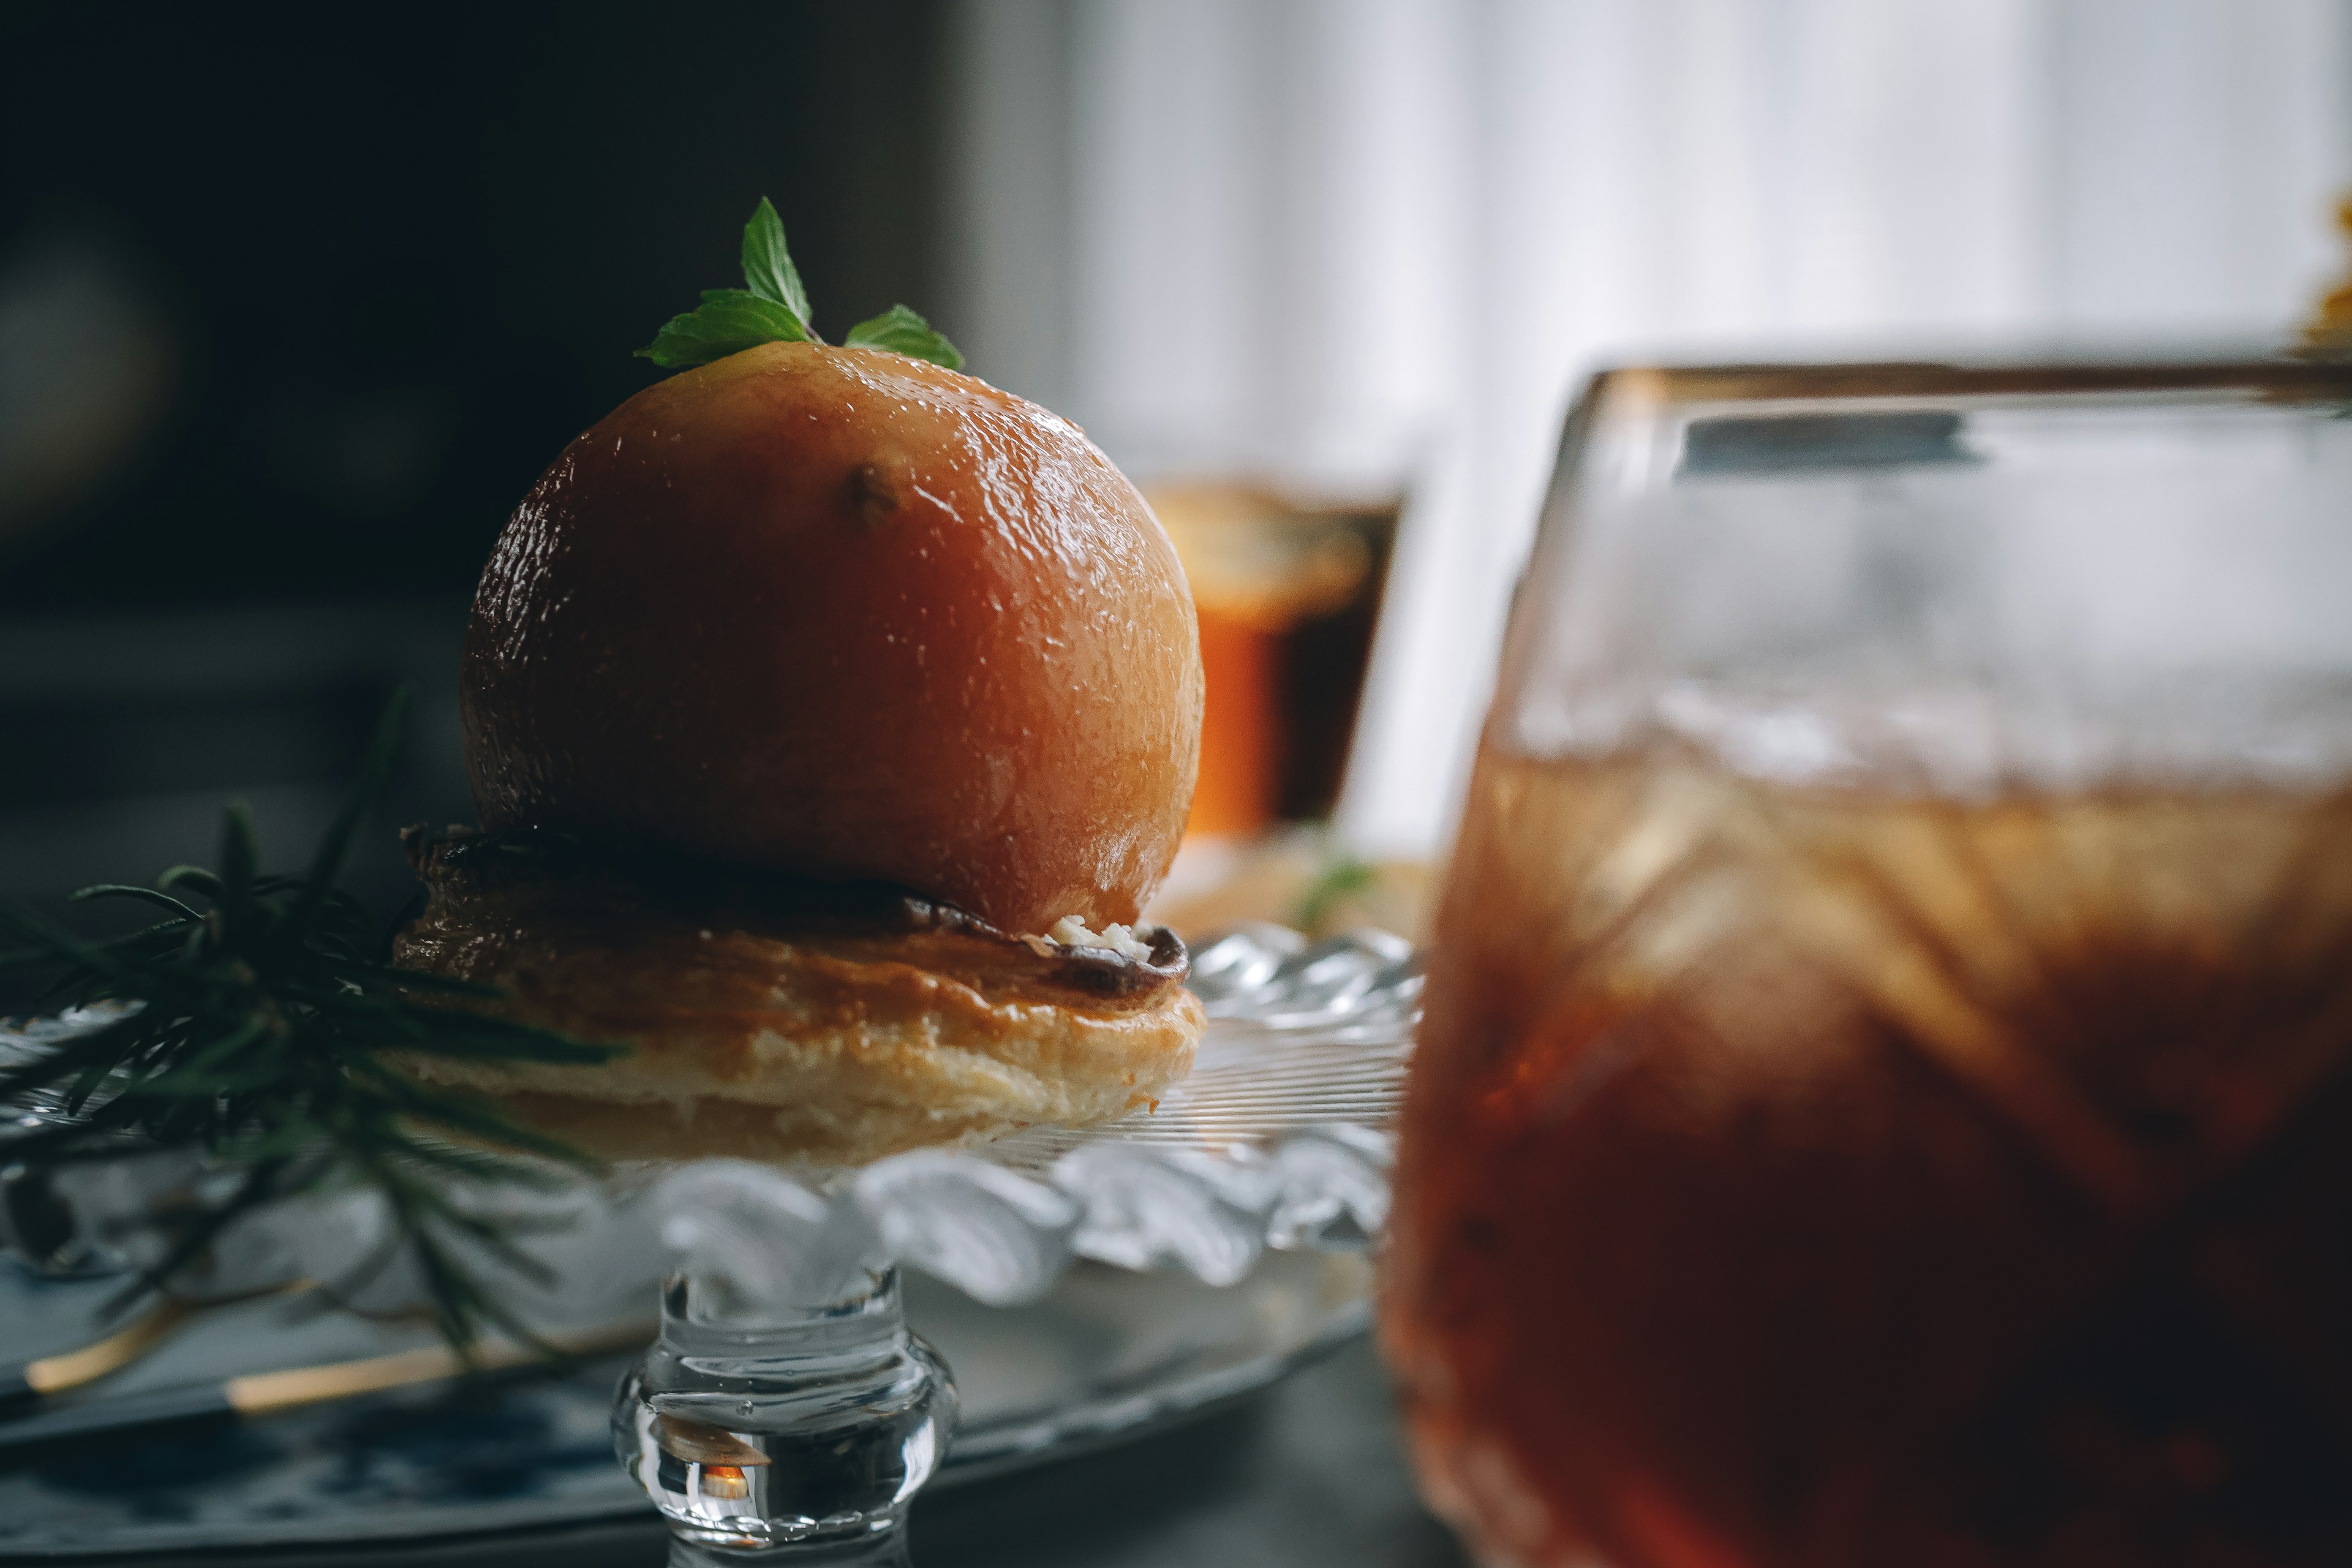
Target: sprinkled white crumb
1071, 932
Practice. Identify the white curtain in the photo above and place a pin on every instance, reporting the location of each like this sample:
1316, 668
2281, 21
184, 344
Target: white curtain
1360, 244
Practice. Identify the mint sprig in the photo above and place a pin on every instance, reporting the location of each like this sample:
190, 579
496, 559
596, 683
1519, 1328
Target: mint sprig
774, 309
902, 331
728, 322
768, 268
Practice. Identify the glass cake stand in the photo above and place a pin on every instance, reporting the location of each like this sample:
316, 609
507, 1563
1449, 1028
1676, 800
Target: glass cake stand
785, 1412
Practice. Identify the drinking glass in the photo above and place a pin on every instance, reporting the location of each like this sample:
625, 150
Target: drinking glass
1886, 1095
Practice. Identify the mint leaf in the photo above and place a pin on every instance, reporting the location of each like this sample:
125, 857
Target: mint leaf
774, 309
728, 322
768, 270
902, 331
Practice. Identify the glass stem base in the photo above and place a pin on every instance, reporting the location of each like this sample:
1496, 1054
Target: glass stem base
775, 1433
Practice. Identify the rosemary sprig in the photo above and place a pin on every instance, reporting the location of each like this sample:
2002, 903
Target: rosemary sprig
257, 1025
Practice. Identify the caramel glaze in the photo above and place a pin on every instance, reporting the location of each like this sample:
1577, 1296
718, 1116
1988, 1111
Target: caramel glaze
841, 612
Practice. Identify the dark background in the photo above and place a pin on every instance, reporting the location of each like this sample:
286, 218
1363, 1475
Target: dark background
294, 305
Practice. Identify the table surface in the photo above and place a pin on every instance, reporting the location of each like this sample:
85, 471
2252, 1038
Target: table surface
1312, 1472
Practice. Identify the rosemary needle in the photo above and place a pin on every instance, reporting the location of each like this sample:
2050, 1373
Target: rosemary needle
260, 1025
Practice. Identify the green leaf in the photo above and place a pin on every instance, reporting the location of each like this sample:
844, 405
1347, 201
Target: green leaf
768, 270
203, 1064
137, 940
480, 1164
57, 943
144, 895
264, 1042
728, 322
192, 1241
194, 877
375, 771
1341, 875
107, 1045
238, 852
774, 307
902, 331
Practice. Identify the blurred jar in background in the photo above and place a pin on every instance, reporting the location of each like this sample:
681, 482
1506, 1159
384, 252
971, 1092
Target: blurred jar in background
1885, 1094
1288, 593
1288, 590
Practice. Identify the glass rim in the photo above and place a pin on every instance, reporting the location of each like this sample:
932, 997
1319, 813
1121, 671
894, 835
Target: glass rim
1630, 389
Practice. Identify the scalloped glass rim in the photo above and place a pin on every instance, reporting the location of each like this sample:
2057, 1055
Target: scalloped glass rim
1280, 1137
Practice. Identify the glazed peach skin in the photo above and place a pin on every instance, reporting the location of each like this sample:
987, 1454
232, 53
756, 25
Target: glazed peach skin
847, 615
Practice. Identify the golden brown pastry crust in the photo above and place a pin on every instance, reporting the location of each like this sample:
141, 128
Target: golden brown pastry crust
834, 1031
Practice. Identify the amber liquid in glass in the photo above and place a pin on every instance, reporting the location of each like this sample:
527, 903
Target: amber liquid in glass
1288, 596
1798, 1176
